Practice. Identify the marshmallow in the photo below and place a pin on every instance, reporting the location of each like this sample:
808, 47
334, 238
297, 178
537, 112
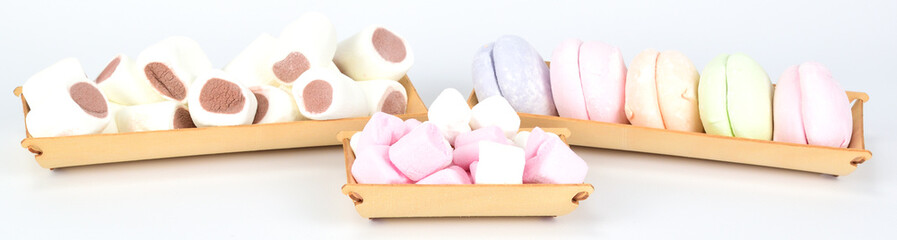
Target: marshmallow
313, 32
450, 113
63, 102
274, 105
603, 75
484, 83
641, 106
123, 83
159, 116
215, 99
449, 175
536, 138
495, 111
374, 53
421, 152
555, 163
385, 96
248, 66
171, 65
521, 75
354, 141
811, 107
381, 130
323, 94
521, 138
410, 124
566, 86
287, 63
735, 98
112, 127
499, 164
372, 166
473, 172
467, 149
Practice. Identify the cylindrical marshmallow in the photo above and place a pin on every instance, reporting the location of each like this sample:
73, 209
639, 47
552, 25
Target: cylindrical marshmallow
247, 67
217, 100
63, 102
323, 94
274, 105
123, 83
171, 65
374, 53
159, 116
495, 111
288, 62
314, 32
450, 113
385, 96
112, 127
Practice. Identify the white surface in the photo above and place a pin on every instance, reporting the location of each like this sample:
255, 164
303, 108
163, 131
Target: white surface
296, 193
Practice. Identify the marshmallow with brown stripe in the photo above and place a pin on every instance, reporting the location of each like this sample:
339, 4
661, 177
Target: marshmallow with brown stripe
324, 93
374, 53
171, 65
274, 105
158, 116
247, 67
216, 99
287, 62
123, 83
64, 102
386, 96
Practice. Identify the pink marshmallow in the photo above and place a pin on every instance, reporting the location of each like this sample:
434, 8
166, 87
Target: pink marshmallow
421, 152
466, 148
449, 175
473, 171
491, 133
382, 129
555, 163
410, 124
536, 138
372, 166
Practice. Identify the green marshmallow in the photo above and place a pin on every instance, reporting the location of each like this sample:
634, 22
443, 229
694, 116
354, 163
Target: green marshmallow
735, 98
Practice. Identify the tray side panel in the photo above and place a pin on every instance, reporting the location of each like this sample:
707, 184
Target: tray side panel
56, 152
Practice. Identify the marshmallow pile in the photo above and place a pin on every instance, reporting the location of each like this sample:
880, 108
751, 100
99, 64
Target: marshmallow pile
302, 74
460, 145
733, 96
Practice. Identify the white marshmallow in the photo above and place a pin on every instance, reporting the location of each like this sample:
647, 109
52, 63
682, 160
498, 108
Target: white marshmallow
215, 99
248, 66
274, 105
353, 142
495, 111
450, 113
63, 102
323, 94
171, 65
112, 127
314, 33
159, 116
123, 83
374, 53
521, 138
499, 164
386, 96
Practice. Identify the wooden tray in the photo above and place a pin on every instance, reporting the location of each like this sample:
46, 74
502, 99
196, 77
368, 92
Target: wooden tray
461, 200
56, 152
802, 157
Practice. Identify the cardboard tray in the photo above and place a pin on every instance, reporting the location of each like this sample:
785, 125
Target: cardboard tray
802, 157
56, 152
461, 200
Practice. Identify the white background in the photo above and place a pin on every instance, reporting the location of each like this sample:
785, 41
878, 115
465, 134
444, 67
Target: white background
296, 193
